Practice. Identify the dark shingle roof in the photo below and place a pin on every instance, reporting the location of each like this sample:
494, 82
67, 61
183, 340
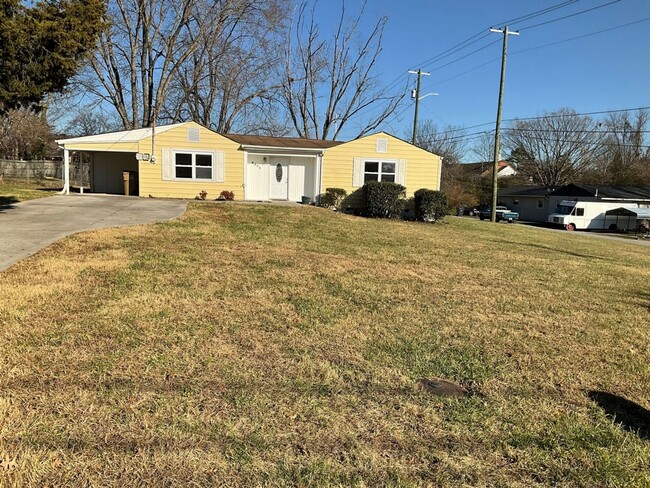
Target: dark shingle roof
290, 142
526, 191
604, 191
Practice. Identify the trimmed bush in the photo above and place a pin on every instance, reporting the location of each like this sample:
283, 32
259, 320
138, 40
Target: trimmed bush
384, 199
226, 195
333, 197
430, 205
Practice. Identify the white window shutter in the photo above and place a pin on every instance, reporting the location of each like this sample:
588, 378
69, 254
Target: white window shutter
167, 165
357, 172
218, 173
401, 169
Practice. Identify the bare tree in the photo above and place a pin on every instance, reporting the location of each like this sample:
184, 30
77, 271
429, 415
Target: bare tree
328, 83
88, 122
448, 142
23, 135
558, 146
625, 157
232, 79
483, 148
140, 53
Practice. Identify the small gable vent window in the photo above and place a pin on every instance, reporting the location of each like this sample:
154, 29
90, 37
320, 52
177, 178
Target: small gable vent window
193, 134
382, 145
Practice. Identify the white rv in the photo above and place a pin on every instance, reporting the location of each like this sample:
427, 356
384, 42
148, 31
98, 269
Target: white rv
573, 215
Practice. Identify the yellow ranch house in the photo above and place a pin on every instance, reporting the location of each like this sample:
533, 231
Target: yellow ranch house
182, 160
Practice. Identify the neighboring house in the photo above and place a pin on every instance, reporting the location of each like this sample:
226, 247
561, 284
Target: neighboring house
532, 202
189, 158
536, 203
484, 169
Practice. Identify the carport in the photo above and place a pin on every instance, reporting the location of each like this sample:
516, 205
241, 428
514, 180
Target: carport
110, 155
630, 218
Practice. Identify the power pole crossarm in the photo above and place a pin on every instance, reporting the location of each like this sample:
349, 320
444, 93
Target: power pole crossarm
497, 137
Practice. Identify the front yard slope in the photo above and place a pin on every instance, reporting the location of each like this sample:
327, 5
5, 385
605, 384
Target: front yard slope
259, 345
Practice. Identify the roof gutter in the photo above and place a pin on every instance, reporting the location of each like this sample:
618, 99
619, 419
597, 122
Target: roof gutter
282, 150
626, 199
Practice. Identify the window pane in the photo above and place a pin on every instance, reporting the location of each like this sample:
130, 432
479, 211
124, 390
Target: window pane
204, 160
390, 178
369, 177
203, 173
388, 168
372, 167
183, 171
183, 160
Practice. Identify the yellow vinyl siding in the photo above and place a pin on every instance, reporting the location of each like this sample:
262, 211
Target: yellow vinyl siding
422, 167
151, 182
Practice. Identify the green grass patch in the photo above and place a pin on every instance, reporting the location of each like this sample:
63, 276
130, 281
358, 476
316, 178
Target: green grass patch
18, 190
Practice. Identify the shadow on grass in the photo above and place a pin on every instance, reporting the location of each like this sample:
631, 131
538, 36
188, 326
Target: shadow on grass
629, 415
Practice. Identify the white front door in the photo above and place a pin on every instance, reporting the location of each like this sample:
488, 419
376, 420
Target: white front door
279, 189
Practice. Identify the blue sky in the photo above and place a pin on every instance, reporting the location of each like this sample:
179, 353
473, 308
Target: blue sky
605, 71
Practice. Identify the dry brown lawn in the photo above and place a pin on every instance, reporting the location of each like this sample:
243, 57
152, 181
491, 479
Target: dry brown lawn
258, 345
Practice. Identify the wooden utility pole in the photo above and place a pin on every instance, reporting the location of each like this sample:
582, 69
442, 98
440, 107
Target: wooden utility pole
497, 136
419, 72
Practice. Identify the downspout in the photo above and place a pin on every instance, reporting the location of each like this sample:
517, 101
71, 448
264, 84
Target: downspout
320, 177
440, 173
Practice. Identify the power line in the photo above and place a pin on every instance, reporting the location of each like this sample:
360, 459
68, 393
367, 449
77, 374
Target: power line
592, 143
600, 112
465, 56
582, 36
537, 13
570, 15
439, 82
472, 40
569, 131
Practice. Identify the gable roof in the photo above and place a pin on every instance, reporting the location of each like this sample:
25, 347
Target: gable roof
289, 142
133, 135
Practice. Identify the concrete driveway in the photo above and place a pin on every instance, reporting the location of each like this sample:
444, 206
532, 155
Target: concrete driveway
27, 227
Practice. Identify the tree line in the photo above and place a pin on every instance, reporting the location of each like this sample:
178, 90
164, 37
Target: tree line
552, 149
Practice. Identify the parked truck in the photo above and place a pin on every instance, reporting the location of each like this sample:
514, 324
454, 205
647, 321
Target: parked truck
501, 213
576, 215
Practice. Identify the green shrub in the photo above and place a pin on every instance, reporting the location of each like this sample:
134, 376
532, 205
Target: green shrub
430, 205
384, 199
333, 197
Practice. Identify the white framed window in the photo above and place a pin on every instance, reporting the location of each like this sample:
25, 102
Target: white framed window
193, 166
379, 170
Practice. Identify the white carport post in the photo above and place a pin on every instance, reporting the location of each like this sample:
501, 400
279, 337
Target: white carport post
66, 171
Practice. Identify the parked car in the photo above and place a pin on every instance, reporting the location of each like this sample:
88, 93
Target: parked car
502, 213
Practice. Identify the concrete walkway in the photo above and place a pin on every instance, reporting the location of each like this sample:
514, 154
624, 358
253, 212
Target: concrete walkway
27, 227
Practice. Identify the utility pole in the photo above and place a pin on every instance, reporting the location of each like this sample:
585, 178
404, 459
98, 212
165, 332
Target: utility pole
419, 72
497, 137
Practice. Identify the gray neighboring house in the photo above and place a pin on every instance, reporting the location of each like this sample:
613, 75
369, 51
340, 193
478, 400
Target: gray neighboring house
535, 204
